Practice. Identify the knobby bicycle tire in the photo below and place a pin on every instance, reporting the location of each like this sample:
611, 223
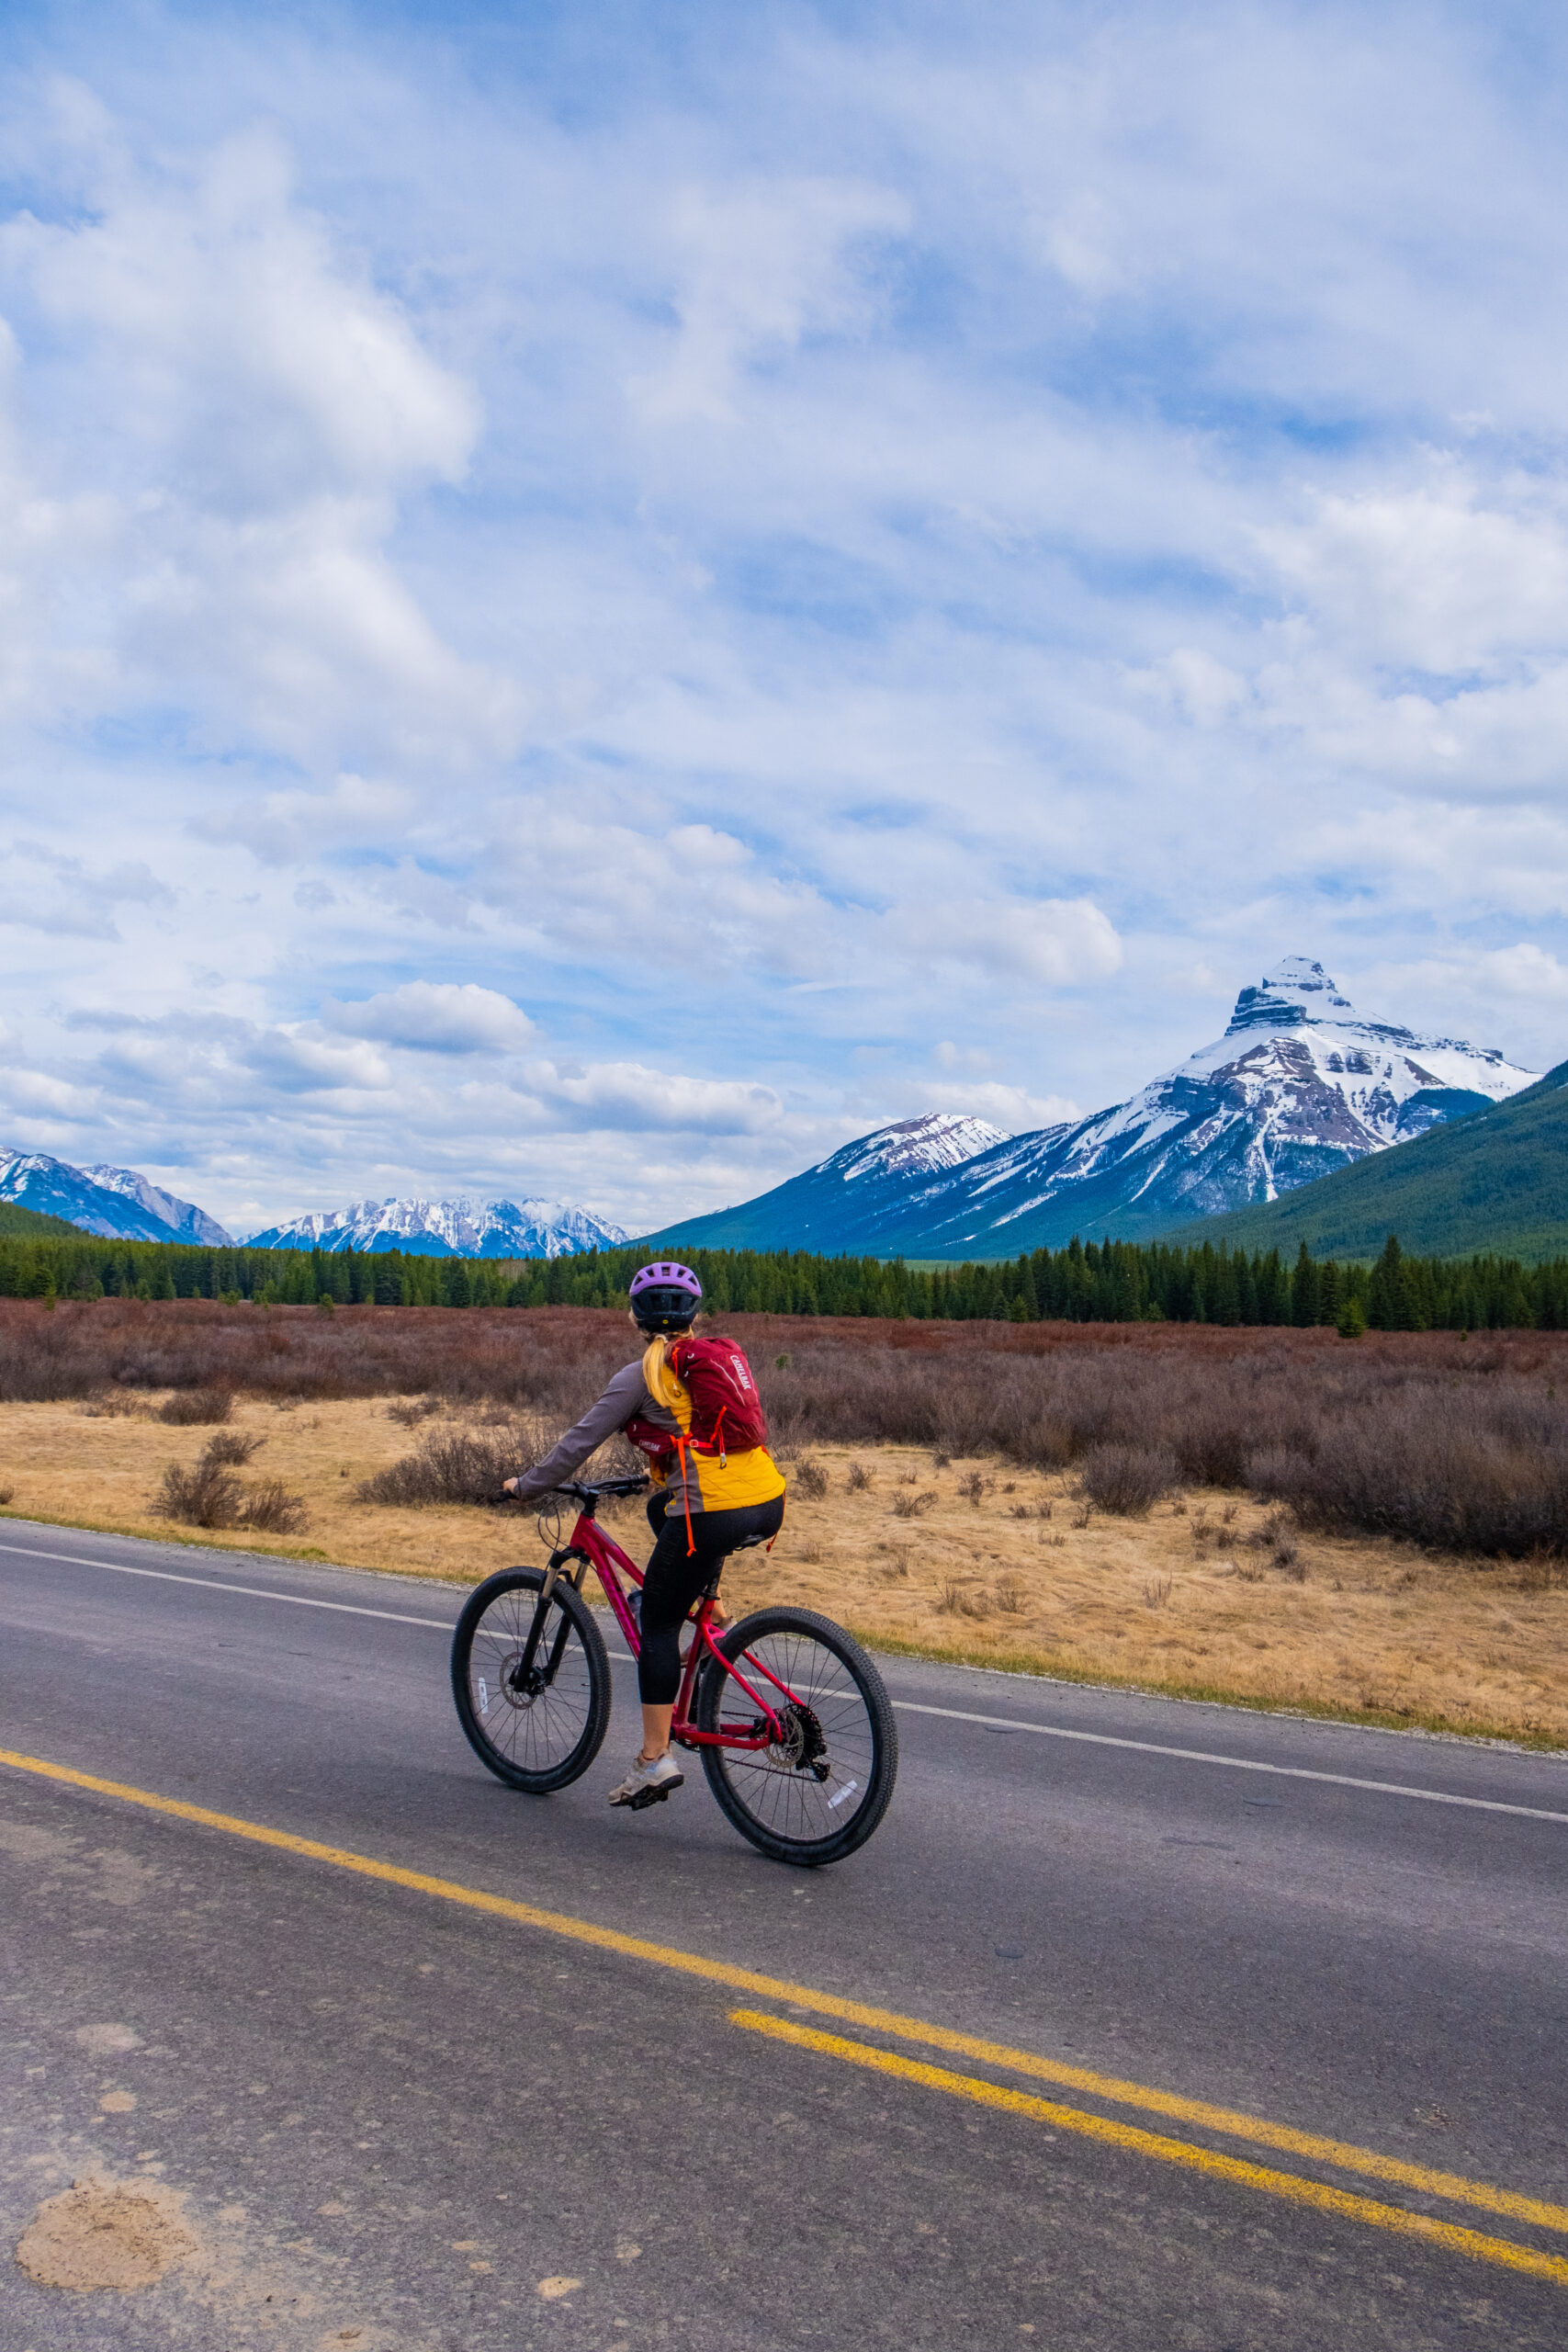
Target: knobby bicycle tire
500, 1727
785, 1811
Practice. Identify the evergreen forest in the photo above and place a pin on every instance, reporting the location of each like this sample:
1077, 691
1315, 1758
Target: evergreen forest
1109, 1282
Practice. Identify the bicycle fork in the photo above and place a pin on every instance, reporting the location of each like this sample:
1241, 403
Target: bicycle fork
525, 1671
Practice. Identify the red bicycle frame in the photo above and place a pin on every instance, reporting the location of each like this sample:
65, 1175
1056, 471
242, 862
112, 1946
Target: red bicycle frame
591, 1548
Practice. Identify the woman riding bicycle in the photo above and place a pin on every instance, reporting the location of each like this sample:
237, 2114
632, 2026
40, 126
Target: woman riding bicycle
711, 1499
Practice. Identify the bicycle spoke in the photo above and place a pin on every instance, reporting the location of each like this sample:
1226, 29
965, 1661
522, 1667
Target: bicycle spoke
535, 1732
823, 1712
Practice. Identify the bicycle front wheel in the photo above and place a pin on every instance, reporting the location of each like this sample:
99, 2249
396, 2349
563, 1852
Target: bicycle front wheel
536, 1730
818, 1793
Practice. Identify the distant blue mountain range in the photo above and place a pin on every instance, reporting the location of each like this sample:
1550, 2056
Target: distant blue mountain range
467, 1226
123, 1207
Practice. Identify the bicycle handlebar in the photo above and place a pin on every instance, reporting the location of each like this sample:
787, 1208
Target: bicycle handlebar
580, 1492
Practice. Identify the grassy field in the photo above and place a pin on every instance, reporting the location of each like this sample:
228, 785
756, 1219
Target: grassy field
976, 1557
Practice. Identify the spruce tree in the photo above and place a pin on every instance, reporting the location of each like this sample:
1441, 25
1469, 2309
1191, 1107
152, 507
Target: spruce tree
1329, 1288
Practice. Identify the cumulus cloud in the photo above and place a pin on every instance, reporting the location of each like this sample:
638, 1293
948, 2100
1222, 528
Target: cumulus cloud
287, 828
865, 545
239, 340
1440, 576
1527, 970
1054, 942
258, 406
1012, 1108
436, 1017
627, 1097
50, 890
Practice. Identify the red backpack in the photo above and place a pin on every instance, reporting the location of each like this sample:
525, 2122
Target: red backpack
726, 1408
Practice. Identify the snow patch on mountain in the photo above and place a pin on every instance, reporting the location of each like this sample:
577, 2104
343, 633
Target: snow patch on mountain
185, 1220
939, 1140
116, 1204
464, 1227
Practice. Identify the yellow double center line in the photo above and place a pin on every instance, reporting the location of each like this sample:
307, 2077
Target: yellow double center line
1228, 2123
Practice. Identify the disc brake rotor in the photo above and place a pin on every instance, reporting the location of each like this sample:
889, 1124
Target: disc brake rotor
803, 1747
516, 1693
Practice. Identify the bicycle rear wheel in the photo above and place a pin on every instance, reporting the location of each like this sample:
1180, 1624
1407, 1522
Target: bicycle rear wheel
818, 1795
540, 1732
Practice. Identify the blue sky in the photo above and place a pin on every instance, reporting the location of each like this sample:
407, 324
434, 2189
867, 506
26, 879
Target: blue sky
597, 600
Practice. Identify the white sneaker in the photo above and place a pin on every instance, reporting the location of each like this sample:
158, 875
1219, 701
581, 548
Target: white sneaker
650, 1783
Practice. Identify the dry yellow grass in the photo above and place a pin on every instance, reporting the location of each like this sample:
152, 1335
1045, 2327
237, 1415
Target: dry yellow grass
1182, 1600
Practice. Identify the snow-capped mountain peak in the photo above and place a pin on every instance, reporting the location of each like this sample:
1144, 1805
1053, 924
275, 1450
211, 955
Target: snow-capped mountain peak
466, 1226
1297, 991
938, 1140
116, 1204
185, 1221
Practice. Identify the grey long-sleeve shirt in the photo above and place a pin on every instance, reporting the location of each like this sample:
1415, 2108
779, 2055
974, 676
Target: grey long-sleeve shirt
627, 1400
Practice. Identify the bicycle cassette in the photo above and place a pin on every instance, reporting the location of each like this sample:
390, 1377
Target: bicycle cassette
803, 1743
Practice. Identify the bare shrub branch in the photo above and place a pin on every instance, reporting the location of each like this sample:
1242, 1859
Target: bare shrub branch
188, 1408
912, 1505
1127, 1479
231, 1448
269, 1505
206, 1495
460, 1467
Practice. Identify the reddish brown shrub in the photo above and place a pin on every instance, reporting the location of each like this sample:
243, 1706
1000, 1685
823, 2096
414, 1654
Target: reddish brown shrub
1423, 1435
464, 1466
1127, 1479
189, 1406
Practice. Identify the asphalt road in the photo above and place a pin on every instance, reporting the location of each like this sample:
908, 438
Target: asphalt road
399, 2121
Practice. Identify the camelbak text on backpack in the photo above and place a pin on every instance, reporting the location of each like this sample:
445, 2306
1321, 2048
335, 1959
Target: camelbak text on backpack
726, 1412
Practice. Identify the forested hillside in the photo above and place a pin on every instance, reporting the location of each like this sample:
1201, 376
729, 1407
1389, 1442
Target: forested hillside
1496, 1180
14, 1218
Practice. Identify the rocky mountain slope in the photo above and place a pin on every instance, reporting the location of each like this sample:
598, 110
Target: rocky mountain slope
114, 1202
849, 1201
466, 1227
1494, 1181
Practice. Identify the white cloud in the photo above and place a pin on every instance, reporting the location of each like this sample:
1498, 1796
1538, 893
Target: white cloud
258, 405
50, 890
1012, 1108
286, 827
755, 268
237, 337
433, 1016
1203, 690
1439, 577
1057, 942
627, 1097
1527, 970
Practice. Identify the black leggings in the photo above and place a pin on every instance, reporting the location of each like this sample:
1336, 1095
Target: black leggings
674, 1580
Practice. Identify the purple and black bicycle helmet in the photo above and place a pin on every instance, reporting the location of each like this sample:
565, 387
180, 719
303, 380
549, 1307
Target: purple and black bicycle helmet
665, 1298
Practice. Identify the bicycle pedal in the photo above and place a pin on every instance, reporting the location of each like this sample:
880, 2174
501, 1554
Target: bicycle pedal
653, 1796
